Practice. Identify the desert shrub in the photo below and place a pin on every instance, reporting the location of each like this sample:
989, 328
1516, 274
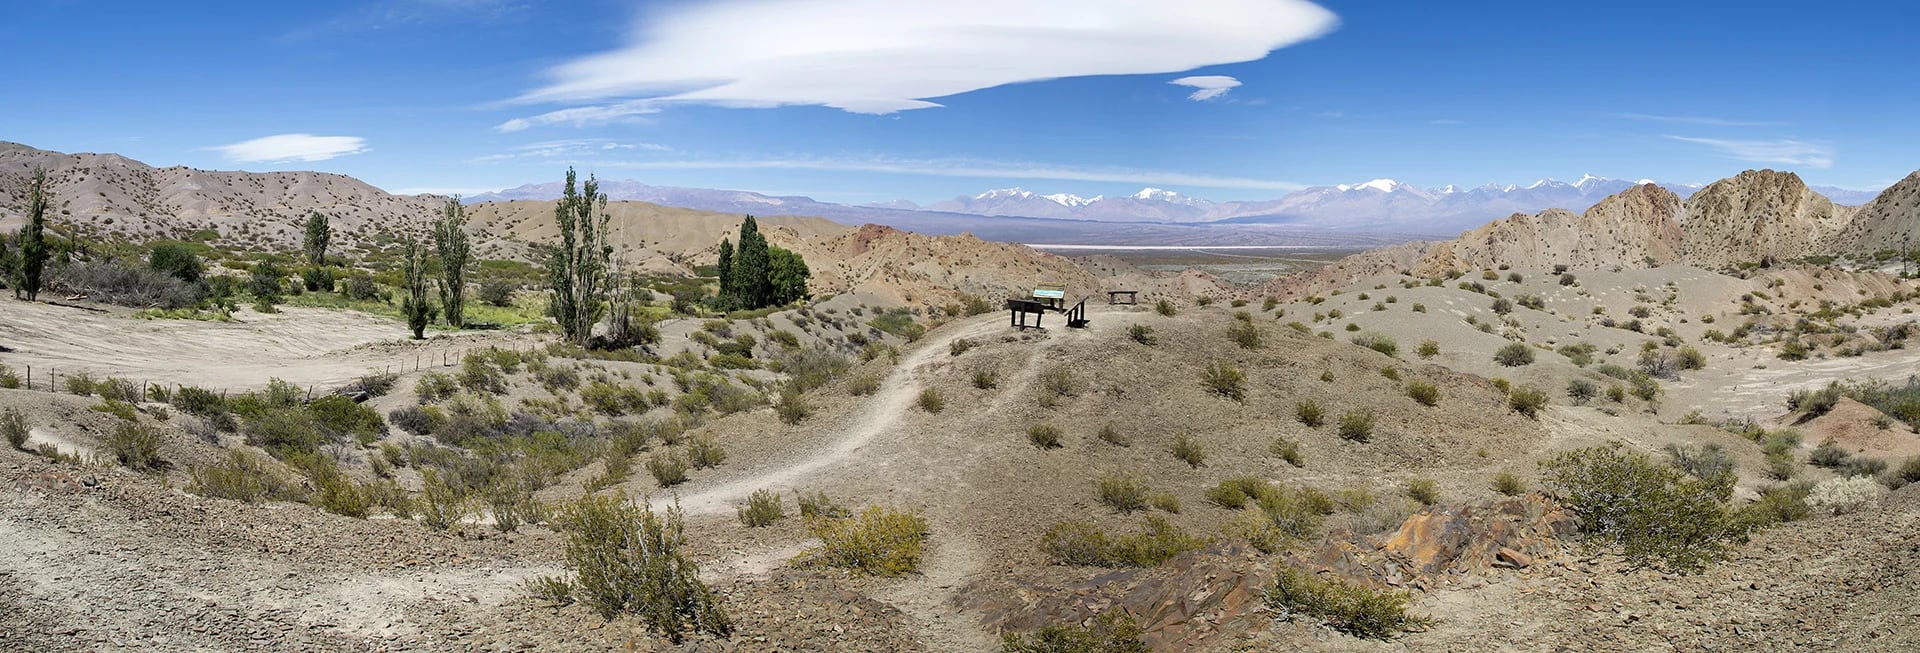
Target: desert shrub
1379, 342
1309, 413
1060, 382
1165, 308
1814, 403
335, 492
478, 374
930, 401
1245, 334
1082, 543
497, 292
1234, 493
1288, 450
1829, 455
136, 446
1345, 605
1703, 461
810, 367
762, 509
863, 385
434, 386
1508, 484
339, 416
1142, 334
614, 399
1778, 504
1863, 466
986, 378
818, 504
1690, 358
441, 505
1527, 400
878, 541
1224, 379
13, 425
1114, 631
1514, 354
1122, 492
1908, 472
117, 389
1793, 350
1189, 450
626, 559
412, 419
792, 408
959, 346
1502, 306
1423, 490
1044, 436
80, 383
1357, 425
1165, 502
1427, 394
240, 476
668, 469
9, 379
117, 283
1428, 348
1581, 390
1656, 513
703, 453
198, 401
1843, 495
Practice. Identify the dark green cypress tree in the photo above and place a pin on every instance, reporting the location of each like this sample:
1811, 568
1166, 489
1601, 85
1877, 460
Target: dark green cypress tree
33, 241
751, 266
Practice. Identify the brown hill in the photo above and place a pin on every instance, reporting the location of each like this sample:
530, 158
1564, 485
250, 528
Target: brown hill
109, 193
1757, 216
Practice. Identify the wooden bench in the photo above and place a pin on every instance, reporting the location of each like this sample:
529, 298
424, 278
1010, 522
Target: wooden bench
1019, 309
1113, 296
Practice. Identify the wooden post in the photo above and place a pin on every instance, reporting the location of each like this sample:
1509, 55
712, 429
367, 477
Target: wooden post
29, 377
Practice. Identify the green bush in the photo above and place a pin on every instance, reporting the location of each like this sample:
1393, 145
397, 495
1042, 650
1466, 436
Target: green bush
668, 469
1288, 450
1142, 334
1114, 631
434, 386
1357, 425
626, 559
1345, 605
1189, 450
1508, 484
930, 401
792, 408
1112, 435
1224, 379
1427, 394
818, 504
340, 416
1044, 436
442, 506
1379, 342
1309, 413
1165, 308
14, 426
878, 541
240, 476
1424, 491
136, 446
1123, 492
1428, 348
1702, 461
1581, 390
1656, 513
762, 509
1527, 400
959, 346
863, 385
1082, 543
1244, 334
1514, 354
1234, 493
986, 378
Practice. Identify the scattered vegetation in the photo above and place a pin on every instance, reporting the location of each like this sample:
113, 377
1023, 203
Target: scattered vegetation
1656, 513
627, 559
878, 541
1346, 605
1114, 631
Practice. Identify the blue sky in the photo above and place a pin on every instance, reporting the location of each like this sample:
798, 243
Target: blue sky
870, 100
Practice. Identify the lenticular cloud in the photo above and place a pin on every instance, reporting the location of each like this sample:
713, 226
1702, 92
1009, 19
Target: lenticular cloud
884, 56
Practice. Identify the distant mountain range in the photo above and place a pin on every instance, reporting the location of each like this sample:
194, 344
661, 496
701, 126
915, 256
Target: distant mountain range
1380, 205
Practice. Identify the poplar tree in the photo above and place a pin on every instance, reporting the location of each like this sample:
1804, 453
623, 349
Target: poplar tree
751, 266
450, 242
319, 235
726, 270
413, 268
33, 242
577, 264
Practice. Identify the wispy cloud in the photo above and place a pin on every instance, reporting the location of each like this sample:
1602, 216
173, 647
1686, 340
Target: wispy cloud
884, 56
976, 169
1783, 151
1699, 120
376, 15
584, 116
570, 148
1209, 86
293, 147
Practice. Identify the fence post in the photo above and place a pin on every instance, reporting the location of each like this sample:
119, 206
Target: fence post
29, 377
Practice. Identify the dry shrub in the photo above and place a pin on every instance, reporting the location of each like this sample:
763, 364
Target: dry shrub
627, 559
1082, 543
1346, 605
1123, 492
1114, 631
878, 541
762, 509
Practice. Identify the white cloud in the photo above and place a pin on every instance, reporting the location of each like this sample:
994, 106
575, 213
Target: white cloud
1699, 120
629, 111
447, 191
975, 169
293, 147
1783, 151
1210, 86
884, 56
570, 148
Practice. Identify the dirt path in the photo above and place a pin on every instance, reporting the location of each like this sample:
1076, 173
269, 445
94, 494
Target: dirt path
880, 414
